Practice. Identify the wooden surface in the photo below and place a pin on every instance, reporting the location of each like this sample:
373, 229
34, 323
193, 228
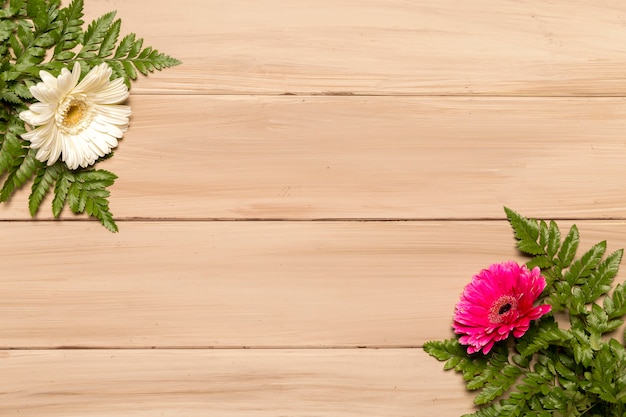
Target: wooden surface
302, 201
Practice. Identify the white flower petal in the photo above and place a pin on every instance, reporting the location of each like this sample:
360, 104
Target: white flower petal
45, 93
95, 80
113, 93
67, 80
78, 122
38, 114
48, 80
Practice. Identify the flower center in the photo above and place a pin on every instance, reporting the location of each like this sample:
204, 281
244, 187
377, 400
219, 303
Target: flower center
502, 308
74, 114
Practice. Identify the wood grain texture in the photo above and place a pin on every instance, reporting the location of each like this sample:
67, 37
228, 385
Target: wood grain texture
242, 282
247, 284
223, 383
203, 157
493, 47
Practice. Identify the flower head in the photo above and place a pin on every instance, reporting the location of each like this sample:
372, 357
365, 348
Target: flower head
76, 121
497, 302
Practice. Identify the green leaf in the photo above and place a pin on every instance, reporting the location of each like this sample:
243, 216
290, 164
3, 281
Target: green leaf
582, 268
445, 349
10, 97
11, 150
583, 354
615, 303
71, 18
61, 189
110, 39
541, 261
561, 296
606, 374
6, 29
500, 383
569, 247
526, 231
88, 194
601, 278
94, 36
135, 48
23, 170
24, 34
46, 176
540, 336
151, 59
37, 11
125, 46
494, 366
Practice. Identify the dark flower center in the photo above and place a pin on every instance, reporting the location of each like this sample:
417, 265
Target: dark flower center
505, 308
502, 308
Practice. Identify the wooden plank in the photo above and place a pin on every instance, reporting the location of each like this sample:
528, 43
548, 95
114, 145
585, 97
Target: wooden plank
203, 157
221, 383
246, 284
493, 47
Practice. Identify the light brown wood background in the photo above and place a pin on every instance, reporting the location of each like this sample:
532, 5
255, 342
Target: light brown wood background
301, 202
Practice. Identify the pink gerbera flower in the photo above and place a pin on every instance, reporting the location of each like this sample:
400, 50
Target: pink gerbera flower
499, 301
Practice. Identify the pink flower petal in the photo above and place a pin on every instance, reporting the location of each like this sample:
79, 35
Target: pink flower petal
498, 302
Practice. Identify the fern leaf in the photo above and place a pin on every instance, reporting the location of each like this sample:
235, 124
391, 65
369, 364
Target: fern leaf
61, 188
582, 268
135, 48
88, 194
110, 39
526, 232
493, 368
28, 167
99, 208
568, 249
601, 278
501, 382
444, 350
554, 240
540, 337
46, 176
151, 59
94, 35
11, 149
23, 170
615, 303
71, 18
6, 29
124, 47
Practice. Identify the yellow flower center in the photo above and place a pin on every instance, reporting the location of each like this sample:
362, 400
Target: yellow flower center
74, 114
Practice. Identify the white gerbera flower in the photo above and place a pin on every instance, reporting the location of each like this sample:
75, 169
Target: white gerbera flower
77, 121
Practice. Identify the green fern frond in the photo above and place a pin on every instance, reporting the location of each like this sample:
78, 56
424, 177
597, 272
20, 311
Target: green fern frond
71, 30
24, 169
526, 231
45, 178
12, 149
88, 194
601, 277
110, 39
93, 37
129, 58
61, 188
